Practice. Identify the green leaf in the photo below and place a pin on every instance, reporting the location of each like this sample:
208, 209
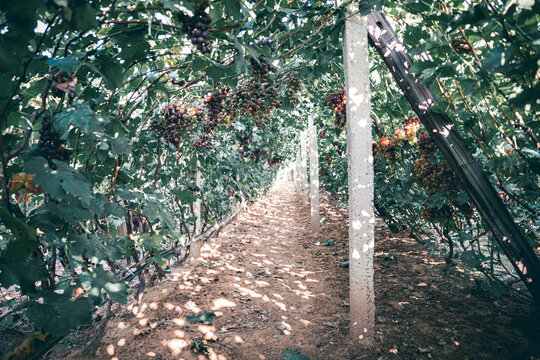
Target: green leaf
151, 242
328, 242
111, 70
470, 258
84, 17
57, 314
180, 5
66, 64
81, 117
205, 317
25, 239
97, 247
99, 279
289, 354
22, 273
185, 196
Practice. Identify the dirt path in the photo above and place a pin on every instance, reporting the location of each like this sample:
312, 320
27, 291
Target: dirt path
272, 288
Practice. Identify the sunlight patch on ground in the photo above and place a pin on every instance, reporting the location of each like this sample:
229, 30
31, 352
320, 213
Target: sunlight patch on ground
175, 345
221, 303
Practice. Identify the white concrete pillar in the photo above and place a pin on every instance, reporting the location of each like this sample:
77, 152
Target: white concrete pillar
314, 174
359, 148
297, 172
303, 166
196, 178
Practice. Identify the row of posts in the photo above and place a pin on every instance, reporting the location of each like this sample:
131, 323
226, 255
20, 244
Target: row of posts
310, 193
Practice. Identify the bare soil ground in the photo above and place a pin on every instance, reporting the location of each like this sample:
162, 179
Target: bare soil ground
272, 288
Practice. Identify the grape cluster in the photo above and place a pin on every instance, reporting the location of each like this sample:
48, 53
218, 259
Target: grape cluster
196, 27
256, 99
177, 120
388, 148
337, 101
293, 87
441, 214
203, 142
275, 161
467, 209
411, 126
50, 145
261, 69
216, 108
426, 145
435, 177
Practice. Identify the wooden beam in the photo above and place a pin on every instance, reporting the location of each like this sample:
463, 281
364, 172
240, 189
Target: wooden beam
472, 177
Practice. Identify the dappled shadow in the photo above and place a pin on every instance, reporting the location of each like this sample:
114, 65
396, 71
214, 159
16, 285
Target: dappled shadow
261, 280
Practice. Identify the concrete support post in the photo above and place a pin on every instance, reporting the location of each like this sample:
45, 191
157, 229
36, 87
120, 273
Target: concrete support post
297, 172
303, 167
314, 174
359, 148
196, 178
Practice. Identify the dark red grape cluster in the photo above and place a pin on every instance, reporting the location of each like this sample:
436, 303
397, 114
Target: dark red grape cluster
435, 177
426, 145
256, 99
388, 148
197, 26
293, 87
50, 145
467, 209
217, 106
261, 69
178, 119
204, 141
275, 161
337, 101
442, 214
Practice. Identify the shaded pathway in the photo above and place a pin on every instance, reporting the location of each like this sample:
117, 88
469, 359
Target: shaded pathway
263, 283
272, 288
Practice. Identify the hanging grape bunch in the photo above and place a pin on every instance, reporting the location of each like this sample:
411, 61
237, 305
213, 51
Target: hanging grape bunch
261, 68
426, 145
50, 145
217, 106
337, 101
293, 87
197, 26
435, 177
411, 126
249, 98
388, 148
435, 214
177, 120
203, 142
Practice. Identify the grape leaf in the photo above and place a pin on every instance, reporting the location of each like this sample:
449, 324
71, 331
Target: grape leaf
204, 317
50, 314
